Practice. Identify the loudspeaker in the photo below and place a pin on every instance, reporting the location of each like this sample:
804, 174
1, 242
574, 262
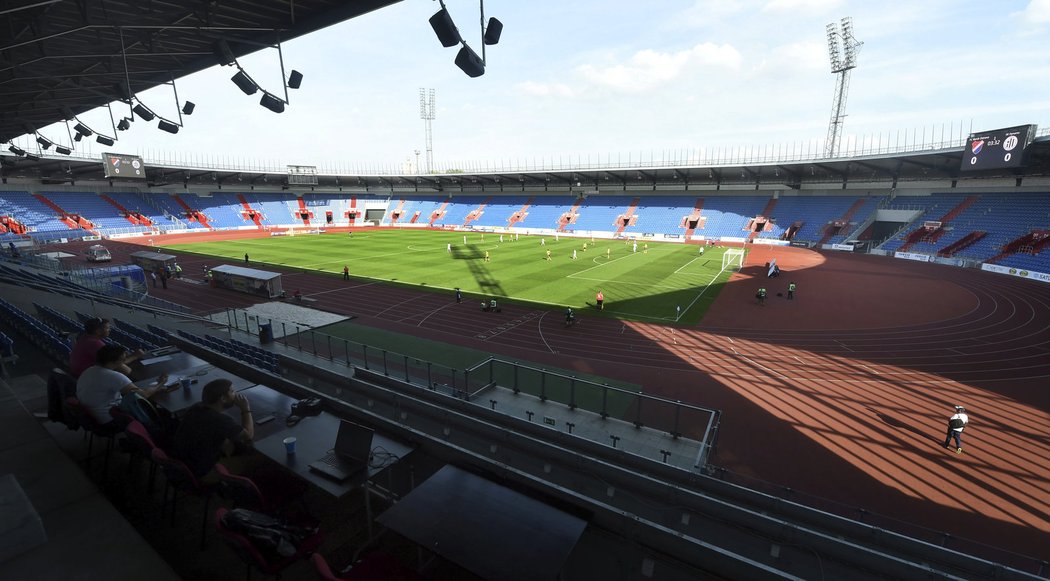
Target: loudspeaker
493, 31
123, 124
63, 150
105, 140
272, 103
143, 112
168, 126
445, 29
187, 108
245, 83
470, 62
223, 55
82, 129
295, 80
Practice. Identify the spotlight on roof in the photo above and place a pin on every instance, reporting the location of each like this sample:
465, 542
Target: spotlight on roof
124, 124
82, 130
187, 108
272, 103
105, 140
63, 150
142, 111
78, 137
245, 83
44, 142
165, 125
16, 150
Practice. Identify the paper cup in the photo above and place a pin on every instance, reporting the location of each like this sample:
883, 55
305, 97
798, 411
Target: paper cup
289, 444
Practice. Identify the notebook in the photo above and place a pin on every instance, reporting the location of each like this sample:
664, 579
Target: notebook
353, 445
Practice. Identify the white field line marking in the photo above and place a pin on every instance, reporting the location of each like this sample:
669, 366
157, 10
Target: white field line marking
539, 327
619, 282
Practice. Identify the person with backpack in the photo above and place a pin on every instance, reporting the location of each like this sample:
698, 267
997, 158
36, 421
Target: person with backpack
956, 423
100, 385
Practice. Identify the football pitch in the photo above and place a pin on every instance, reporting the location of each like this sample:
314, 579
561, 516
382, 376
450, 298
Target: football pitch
645, 285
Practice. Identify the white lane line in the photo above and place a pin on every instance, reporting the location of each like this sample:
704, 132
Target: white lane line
799, 360
760, 366
539, 327
844, 346
432, 313
870, 369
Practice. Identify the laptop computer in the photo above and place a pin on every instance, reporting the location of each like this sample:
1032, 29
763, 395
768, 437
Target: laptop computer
353, 446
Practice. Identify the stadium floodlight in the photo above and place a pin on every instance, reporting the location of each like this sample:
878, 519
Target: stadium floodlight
843, 60
224, 55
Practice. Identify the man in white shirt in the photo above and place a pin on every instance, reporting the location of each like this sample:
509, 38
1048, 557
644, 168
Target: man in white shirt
101, 385
956, 423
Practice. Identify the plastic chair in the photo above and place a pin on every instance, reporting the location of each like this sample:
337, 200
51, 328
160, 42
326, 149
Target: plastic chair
142, 446
179, 478
260, 494
251, 556
92, 428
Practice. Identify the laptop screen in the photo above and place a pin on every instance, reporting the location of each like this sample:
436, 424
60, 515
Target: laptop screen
354, 441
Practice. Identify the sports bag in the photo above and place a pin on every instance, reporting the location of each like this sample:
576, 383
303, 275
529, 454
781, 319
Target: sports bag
955, 423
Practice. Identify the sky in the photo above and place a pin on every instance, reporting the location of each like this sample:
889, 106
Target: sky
604, 81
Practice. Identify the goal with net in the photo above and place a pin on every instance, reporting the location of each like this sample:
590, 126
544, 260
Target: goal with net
733, 259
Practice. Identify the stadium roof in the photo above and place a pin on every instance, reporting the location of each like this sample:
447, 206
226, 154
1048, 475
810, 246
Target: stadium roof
72, 53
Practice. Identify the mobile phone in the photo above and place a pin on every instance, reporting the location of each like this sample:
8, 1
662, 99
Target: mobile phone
264, 419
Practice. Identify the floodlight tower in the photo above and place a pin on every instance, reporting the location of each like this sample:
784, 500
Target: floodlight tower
842, 62
427, 112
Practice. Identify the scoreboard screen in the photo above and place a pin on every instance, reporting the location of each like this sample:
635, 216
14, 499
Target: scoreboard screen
997, 149
119, 165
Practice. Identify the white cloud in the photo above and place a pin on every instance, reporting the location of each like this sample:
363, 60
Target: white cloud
648, 69
545, 89
1036, 13
794, 6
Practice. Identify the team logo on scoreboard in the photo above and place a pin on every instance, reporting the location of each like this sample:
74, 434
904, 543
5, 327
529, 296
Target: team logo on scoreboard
114, 161
1010, 142
977, 146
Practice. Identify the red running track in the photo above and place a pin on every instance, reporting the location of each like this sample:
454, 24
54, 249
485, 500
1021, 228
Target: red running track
841, 394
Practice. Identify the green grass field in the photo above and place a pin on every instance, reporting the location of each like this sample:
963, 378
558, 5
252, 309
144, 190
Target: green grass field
642, 285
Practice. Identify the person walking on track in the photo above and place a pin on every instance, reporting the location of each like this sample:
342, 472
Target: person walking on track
956, 423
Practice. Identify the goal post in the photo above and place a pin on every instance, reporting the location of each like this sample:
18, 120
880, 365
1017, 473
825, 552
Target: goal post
733, 259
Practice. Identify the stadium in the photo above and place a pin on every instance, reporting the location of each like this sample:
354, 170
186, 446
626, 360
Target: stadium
567, 363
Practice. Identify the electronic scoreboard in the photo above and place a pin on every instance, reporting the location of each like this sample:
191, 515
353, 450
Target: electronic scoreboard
119, 165
997, 149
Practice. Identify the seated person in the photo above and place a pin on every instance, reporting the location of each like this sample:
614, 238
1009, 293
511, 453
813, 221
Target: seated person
102, 384
205, 433
89, 342
493, 306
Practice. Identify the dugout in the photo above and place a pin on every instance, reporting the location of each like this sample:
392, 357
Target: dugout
152, 261
247, 280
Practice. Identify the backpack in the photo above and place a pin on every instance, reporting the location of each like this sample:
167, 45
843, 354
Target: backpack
955, 423
270, 535
158, 421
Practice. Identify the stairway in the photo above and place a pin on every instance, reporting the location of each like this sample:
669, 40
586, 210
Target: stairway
568, 217
520, 214
626, 216
960, 244
62, 214
304, 212
477, 212
695, 216
192, 214
831, 230
123, 211
353, 208
1038, 240
440, 212
256, 216
923, 234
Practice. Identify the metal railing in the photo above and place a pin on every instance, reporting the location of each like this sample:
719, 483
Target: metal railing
673, 417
